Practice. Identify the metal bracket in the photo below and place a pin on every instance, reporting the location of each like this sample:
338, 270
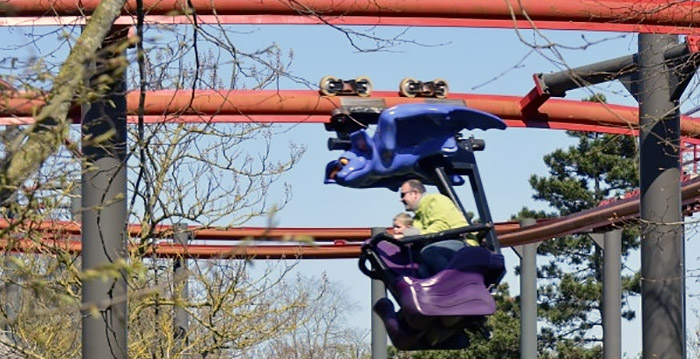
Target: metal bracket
531, 102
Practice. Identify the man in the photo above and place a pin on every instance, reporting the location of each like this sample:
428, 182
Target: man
434, 213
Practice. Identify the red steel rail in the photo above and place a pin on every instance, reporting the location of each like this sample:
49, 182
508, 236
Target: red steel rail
615, 213
281, 234
170, 250
307, 106
346, 241
658, 16
359, 21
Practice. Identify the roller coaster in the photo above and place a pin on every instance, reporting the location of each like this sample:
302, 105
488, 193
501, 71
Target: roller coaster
534, 109
309, 107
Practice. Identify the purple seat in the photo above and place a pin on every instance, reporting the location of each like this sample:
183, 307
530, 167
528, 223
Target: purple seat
435, 310
458, 290
400, 260
405, 337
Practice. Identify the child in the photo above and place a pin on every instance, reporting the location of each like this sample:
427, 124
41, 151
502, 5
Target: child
403, 226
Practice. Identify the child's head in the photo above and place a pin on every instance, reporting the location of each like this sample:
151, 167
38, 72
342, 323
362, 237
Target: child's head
402, 221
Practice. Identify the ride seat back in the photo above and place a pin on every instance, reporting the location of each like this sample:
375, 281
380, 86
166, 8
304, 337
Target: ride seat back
458, 290
396, 259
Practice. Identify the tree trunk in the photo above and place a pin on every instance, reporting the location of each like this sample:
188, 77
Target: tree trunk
45, 136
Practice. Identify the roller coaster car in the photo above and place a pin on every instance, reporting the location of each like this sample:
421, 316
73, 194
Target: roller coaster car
422, 141
435, 311
405, 136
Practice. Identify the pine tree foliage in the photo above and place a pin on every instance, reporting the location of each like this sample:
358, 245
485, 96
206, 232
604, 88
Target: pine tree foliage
595, 168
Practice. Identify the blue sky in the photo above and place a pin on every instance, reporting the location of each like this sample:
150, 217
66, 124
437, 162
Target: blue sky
486, 61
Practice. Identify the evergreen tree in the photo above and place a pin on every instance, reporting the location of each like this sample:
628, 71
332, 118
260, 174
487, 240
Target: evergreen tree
597, 167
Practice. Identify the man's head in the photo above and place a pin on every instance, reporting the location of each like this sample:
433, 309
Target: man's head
411, 191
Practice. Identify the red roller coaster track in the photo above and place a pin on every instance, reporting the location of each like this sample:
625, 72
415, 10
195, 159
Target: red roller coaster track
305, 106
664, 16
345, 241
310, 107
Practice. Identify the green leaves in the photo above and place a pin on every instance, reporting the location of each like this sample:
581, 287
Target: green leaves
596, 167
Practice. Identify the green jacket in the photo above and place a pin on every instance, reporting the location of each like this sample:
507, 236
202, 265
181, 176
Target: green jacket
436, 213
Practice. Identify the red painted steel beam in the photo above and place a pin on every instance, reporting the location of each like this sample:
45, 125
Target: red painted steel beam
69, 228
358, 21
346, 242
169, 250
510, 234
615, 213
337, 235
307, 106
258, 252
607, 15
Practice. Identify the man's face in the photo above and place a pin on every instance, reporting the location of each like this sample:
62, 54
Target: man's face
409, 197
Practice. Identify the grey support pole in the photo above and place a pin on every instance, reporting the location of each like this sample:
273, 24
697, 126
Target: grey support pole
528, 295
104, 215
76, 203
379, 336
10, 296
612, 294
662, 247
180, 317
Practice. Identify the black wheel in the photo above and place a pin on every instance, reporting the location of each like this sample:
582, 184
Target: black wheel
363, 86
406, 87
441, 88
327, 86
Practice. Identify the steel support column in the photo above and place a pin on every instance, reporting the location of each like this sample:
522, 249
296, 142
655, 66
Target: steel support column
612, 294
379, 336
104, 215
662, 247
10, 293
528, 295
180, 292
10, 296
76, 203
